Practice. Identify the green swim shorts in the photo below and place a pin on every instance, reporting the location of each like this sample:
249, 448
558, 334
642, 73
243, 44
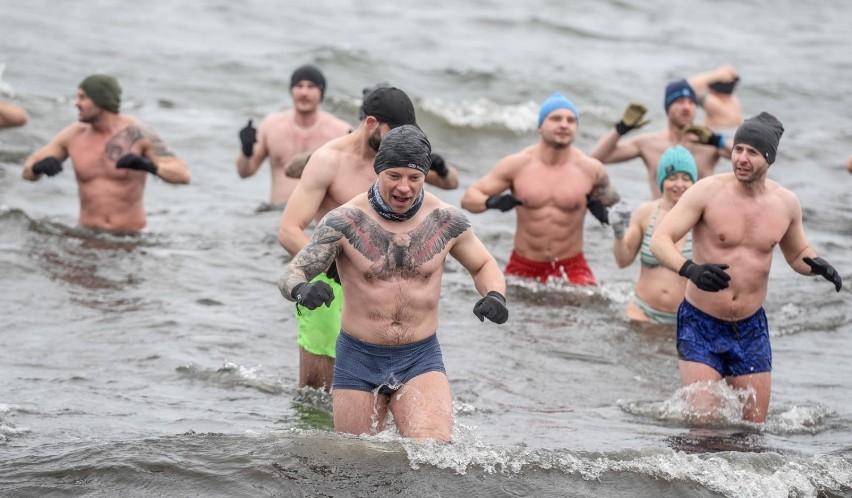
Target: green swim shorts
319, 328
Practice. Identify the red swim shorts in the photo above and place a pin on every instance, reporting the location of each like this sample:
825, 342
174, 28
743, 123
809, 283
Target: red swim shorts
575, 269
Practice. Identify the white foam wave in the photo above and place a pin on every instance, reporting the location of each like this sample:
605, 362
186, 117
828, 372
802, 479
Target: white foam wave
732, 474
484, 113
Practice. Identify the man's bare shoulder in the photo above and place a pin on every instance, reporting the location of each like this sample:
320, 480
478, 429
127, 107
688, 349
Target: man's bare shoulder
586, 161
508, 165
74, 129
786, 195
334, 123
277, 118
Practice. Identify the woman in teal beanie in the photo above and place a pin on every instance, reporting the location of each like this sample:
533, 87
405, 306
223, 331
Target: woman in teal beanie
659, 291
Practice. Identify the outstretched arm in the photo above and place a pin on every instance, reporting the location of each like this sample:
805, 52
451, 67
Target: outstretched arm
722, 74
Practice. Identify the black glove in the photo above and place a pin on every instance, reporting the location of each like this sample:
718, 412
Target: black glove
492, 307
821, 267
706, 136
248, 136
48, 166
632, 118
708, 277
332, 272
439, 166
133, 161
503, 202
598, 210
312, 295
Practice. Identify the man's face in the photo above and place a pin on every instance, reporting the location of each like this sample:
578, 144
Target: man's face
559, 128
399, 187
682, 112
87, 111
749, 164
306, 96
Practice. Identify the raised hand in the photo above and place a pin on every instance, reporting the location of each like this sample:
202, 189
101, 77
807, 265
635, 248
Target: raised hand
632, 118
619, 217
248, 136
705, 135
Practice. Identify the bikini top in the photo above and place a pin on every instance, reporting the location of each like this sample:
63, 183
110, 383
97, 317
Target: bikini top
646, 257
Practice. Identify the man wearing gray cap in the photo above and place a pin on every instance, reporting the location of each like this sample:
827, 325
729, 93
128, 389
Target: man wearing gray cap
389, 244
737, 219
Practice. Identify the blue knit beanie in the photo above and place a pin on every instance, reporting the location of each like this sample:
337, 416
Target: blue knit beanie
556, 101
678, 89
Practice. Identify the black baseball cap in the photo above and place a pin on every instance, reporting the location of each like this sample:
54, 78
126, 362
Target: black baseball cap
390, 105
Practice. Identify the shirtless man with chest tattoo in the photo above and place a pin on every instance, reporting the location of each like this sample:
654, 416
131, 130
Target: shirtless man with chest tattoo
389, 245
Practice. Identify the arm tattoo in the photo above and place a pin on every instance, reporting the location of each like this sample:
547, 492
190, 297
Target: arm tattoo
399, 255
605, 193
160, 147
315, 258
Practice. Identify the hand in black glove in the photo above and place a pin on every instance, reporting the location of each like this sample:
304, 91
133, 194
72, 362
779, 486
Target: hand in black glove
133, 161
492, 307
632, 118
439, 166
708, 277
48, 166
312, 295
821, 267
503, 202
598, 210
248, 136
706, 136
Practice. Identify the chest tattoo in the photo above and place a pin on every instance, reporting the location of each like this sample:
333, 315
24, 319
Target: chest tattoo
121, 142
399, 255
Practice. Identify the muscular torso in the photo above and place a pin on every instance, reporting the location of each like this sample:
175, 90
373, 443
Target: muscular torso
391, 271
741, 232
550, 222
283, 139
110, 198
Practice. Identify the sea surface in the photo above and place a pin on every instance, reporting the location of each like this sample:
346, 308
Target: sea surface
166, 364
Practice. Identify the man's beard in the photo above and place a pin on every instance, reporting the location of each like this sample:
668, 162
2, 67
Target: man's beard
374, 140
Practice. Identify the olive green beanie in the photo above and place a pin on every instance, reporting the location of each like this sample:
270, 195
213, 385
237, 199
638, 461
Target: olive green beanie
104, 91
